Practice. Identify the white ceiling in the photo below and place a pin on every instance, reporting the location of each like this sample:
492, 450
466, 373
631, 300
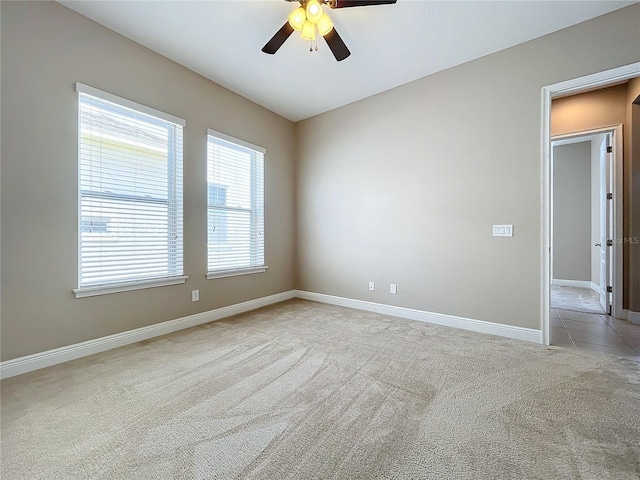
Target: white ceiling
390, 44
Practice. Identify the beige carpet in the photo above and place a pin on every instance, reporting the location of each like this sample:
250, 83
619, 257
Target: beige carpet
302, 390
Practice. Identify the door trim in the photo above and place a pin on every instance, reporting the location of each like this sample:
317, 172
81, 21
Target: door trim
569, 87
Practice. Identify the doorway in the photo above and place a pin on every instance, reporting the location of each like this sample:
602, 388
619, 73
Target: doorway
583, 84
583, 220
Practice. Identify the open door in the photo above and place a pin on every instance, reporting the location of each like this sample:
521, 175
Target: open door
607, 235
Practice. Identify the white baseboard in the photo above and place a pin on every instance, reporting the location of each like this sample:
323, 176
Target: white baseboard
575, 283
481, 326
596, 288
29, 363
631, 316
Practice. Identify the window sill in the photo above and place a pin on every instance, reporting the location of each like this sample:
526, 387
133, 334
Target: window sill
127, 286
235, 272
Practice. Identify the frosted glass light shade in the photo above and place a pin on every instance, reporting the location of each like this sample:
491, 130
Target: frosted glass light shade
308, 31
297, 19
314, 11
325, 25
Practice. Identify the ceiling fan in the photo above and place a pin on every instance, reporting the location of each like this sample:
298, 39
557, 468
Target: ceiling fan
309, 17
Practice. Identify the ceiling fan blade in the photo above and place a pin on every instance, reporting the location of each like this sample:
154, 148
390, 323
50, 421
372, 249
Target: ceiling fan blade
278, 39
337, 46
358, 3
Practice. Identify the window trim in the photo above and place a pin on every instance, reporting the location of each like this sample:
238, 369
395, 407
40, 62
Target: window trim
237, 141
123, 286
106, 289
234, 272
109, 97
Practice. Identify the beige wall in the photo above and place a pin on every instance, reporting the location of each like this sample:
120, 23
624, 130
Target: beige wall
572, 212
404, 186
46, 48
597, 109
590, 110
633, 140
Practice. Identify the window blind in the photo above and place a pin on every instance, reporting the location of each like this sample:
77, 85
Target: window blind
235, 206
130, 191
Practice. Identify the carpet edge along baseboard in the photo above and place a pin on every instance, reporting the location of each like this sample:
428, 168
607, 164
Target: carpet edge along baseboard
36, 361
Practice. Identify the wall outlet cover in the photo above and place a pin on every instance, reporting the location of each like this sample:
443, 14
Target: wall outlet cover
503, 230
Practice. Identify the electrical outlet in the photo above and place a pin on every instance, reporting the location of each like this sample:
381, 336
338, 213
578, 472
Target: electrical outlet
195, 295
393, 288
372, 286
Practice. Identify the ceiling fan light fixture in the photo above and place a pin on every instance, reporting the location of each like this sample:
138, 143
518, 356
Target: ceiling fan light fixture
314, 11
309, 16
325, 25
308, 31
297, 18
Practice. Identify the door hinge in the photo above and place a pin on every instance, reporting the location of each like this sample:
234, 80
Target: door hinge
609, 243
609, 196
609, 149
609, 289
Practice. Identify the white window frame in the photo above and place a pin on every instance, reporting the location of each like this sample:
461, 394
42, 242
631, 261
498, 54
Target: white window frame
232, 272
123, 286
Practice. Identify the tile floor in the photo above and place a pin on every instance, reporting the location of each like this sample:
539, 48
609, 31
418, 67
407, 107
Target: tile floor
596, 333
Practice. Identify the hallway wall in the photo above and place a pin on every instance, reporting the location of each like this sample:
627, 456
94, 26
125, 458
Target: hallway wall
572, 212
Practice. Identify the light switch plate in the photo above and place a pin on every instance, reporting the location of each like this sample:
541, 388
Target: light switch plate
393, 288
503, 230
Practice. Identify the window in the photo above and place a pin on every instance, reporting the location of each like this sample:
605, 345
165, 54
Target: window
94, 224
235, 207
218, 196
130, 195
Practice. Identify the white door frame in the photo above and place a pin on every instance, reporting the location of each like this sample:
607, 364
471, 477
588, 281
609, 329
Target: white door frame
571, 87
